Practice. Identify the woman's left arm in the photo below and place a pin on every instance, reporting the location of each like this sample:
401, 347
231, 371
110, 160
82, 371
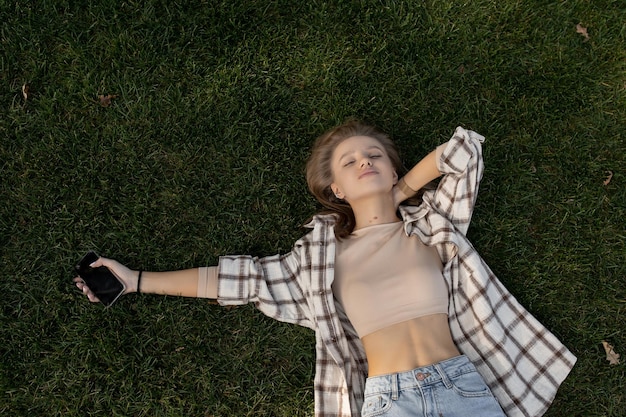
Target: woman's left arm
421, 174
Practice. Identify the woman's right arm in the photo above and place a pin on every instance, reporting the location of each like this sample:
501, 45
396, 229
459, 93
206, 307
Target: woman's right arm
195, 282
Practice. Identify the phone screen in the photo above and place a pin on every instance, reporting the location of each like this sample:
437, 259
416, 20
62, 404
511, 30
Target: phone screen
101, 280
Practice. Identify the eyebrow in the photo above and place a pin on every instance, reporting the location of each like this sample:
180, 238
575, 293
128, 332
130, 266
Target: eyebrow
352, 151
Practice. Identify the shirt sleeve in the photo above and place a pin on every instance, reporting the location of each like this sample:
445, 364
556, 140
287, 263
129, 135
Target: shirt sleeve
461, 163
271, 283
207, 282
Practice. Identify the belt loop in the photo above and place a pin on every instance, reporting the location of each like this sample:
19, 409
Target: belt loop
394, 387
444, 377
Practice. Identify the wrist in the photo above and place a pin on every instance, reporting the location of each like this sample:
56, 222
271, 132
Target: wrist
132, 281
138, 282
405, 188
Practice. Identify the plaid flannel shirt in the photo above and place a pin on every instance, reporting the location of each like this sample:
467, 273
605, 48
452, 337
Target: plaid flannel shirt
521, 361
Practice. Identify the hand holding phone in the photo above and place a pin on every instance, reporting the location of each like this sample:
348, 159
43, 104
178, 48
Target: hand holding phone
100, 280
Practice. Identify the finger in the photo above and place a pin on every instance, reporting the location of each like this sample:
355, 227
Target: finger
109, 263
90, 295
99, 262
80, 284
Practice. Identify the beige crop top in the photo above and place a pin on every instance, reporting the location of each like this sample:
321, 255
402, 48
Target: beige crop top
384, 277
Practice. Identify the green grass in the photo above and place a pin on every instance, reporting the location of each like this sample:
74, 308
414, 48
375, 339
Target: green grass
202, 154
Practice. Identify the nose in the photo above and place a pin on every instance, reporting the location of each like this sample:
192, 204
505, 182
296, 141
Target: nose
366, 162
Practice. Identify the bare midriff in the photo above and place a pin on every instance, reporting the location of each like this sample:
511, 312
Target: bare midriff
410, 344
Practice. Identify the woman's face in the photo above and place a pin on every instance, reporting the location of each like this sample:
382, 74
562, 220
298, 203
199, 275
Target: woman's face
361, 169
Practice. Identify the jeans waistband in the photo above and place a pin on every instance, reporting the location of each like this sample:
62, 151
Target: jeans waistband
422, 376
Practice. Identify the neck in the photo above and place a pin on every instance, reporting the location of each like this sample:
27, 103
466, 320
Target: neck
369, 212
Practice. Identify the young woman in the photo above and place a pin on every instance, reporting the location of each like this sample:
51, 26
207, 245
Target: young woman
409, 320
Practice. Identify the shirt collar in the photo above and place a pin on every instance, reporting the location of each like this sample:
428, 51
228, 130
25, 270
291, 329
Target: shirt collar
321, 219
409, 214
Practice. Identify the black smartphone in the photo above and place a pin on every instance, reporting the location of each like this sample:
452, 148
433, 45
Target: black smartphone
104, 284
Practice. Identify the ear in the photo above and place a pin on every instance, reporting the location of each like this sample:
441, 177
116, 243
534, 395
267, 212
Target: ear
336, 191
395, 177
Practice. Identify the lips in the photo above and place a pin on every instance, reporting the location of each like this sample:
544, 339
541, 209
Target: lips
367, 173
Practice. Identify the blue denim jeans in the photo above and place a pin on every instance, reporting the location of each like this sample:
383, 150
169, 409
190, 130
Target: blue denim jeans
451, 388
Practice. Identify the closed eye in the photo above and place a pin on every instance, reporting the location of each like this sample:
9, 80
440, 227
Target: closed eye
348, 163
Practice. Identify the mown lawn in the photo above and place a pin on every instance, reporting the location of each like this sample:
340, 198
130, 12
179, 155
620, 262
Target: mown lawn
200, 152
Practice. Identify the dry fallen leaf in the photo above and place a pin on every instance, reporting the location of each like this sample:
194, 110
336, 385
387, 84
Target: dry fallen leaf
105, 100
582, 30
25, 91
611, 355
608, 178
